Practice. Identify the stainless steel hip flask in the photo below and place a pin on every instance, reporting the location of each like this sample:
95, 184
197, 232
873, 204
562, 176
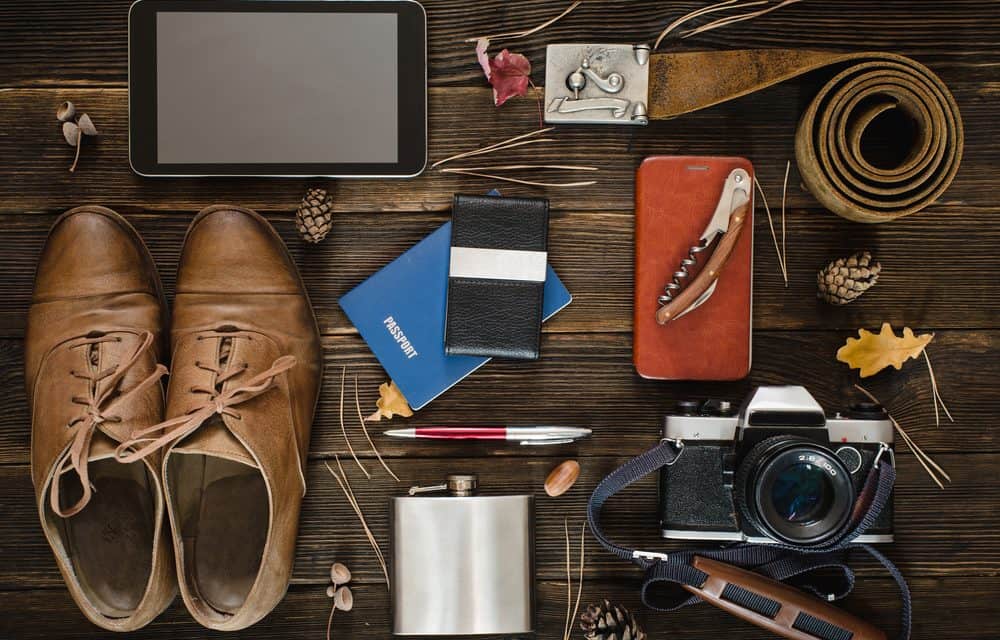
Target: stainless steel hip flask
462, 564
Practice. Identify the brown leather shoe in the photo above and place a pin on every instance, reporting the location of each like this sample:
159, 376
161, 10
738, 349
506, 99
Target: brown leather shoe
92, 349
246, 371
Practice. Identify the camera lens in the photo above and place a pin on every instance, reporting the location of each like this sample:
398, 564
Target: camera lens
801, 493
794, 490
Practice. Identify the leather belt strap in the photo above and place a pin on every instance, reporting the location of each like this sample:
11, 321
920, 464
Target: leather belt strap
629, 85
828, 140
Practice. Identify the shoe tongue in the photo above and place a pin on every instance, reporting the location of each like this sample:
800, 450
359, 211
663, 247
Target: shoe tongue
101, 446
214, 439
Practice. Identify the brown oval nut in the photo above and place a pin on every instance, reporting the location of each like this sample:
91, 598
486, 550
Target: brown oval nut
339, 574
562, 478
343, 599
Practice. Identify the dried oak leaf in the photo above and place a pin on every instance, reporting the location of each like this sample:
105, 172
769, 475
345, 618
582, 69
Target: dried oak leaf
510, 75
873, 352
390, 403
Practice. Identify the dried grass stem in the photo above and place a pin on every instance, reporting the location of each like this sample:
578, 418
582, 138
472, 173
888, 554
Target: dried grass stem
932, 468
571, 614
499, 146
723, 22
343, 429
774, 235
524, 34
345, 486
361, 419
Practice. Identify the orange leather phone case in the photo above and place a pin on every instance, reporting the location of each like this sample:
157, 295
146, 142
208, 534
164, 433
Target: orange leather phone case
675, 197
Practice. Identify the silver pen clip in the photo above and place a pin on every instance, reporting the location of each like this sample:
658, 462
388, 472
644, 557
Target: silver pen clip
535, 443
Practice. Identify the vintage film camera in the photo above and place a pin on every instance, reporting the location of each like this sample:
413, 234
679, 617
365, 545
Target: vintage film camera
778, 470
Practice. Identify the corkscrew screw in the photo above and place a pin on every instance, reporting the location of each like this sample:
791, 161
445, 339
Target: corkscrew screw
680, 297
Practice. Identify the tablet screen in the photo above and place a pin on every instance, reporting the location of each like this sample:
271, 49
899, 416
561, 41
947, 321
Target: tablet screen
276, 88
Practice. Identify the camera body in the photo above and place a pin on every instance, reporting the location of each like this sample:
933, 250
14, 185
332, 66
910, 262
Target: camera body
777, 470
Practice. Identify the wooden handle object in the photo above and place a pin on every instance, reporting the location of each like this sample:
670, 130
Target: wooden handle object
776, 607
710, 272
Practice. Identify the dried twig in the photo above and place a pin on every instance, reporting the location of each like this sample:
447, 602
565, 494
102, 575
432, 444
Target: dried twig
569, 581
938, 400
722, 22
498, 146
720, 6
784, 194
361, 419
922, 457
345, 486
530, 183
571, 615
343, 429
521, 167
579, 582
774, 236
490, 172
329, 621
524, 34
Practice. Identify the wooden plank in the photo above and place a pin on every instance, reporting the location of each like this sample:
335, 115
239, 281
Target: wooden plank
86, 42
35, 178
934, 534
924, 281
944, 609
588, 380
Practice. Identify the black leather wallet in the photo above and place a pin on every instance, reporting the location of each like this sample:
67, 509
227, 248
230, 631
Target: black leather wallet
496, 277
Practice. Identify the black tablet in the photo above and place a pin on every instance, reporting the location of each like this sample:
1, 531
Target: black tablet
277, 88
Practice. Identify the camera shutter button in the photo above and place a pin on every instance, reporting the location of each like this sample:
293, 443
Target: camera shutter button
688, 407
851, 458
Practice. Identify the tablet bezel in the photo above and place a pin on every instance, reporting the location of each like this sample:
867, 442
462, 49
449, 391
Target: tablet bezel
412, 89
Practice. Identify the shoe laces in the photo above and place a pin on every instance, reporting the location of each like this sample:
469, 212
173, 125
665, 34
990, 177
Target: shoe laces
217, 400
100, 404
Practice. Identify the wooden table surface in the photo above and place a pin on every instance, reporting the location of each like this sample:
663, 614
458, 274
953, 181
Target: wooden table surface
941, 269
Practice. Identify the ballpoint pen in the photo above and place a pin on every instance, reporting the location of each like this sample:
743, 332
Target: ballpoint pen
525, 435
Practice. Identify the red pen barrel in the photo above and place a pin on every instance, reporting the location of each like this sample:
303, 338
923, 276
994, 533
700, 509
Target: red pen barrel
462, 433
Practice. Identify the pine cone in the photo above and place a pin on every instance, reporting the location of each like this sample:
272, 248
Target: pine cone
844, 280
314, 218
610, 622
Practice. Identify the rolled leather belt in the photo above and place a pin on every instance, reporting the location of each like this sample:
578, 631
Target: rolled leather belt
828, 142
828, 139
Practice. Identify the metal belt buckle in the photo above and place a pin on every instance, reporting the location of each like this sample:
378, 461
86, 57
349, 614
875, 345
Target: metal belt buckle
597, 83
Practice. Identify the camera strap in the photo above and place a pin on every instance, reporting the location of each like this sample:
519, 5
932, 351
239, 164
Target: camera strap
798, 566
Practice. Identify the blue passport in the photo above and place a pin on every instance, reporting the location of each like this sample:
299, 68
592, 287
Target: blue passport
400, 312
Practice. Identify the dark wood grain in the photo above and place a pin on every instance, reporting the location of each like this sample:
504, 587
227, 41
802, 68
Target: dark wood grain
588, 380
931, 287
65, 42
944, 609
926, 518
941, 272
35, 179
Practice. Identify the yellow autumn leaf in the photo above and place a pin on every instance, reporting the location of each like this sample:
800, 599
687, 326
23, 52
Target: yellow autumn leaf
390, 403
872, 352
